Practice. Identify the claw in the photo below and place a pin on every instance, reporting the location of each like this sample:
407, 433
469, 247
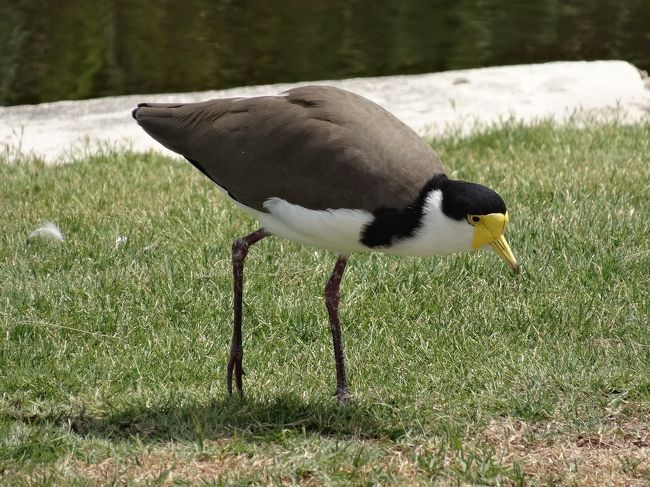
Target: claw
343, 396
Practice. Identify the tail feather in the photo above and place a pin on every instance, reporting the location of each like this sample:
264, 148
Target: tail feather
175, 125
162, 122
154, 109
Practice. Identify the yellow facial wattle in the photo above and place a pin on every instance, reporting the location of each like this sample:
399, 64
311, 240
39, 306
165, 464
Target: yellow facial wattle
490, 229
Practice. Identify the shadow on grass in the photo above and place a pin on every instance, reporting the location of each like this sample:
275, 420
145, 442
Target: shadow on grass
262, 420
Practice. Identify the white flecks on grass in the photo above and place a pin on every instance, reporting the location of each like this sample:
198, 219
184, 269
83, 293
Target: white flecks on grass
120, 241
48, 230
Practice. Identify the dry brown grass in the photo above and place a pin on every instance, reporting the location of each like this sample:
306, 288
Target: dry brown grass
169, 465
166, 466
617, 456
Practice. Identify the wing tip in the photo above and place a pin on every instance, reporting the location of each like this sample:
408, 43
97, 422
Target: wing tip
134, 112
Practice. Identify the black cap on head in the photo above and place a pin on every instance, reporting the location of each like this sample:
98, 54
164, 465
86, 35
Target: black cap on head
460, 198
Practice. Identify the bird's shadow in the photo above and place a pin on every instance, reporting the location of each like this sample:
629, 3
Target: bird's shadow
258, 419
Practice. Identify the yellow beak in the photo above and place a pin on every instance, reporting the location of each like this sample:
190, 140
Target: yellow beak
490, 231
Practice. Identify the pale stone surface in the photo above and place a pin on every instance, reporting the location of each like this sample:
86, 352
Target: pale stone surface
430, 103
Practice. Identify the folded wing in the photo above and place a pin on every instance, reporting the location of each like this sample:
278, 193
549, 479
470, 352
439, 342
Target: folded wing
317, 147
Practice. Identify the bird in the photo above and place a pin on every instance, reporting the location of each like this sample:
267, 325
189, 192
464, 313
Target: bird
329, 169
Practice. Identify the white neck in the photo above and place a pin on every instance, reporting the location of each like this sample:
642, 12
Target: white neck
438, 234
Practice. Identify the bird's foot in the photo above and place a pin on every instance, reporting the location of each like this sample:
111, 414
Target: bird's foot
343, 395
235, 366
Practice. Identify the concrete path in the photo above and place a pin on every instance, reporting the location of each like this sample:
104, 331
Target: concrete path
430, 103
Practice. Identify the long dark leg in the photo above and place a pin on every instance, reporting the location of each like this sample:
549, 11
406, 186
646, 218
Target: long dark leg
239, 251
332, 303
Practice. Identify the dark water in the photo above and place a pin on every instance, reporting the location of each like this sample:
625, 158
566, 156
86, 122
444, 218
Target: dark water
73, 49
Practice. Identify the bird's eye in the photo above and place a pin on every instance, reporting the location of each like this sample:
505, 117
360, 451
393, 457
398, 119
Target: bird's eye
473, 219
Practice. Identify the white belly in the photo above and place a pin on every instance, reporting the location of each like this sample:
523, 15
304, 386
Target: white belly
338, 230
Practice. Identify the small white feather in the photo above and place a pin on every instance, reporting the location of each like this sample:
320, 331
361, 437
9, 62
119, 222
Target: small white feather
47, 230
121, 240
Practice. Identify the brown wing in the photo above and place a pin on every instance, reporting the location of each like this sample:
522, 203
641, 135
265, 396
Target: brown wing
318, 147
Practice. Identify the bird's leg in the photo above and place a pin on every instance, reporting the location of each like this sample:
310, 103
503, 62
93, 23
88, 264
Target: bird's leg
239, 251
332, 303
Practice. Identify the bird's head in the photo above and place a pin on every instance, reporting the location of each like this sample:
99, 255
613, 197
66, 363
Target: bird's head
483, 212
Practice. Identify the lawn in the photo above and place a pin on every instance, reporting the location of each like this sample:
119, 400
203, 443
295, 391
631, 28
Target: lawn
114, 342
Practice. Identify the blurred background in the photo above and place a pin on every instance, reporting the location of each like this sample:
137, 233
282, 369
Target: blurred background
82, 49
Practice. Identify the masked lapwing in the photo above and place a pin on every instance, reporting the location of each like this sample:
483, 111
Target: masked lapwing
330, 169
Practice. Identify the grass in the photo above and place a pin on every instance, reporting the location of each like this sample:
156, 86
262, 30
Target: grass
113, 351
